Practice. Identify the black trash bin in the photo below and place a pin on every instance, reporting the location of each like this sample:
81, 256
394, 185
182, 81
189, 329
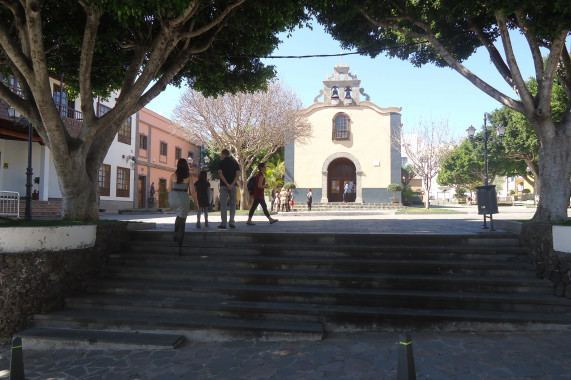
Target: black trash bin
487, 200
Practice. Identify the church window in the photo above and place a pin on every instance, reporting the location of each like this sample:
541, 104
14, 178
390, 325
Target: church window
335, 92
341, 127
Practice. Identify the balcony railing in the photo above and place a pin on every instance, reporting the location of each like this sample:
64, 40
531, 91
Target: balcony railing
72, 119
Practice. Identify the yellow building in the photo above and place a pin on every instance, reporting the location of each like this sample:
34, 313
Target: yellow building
353, 142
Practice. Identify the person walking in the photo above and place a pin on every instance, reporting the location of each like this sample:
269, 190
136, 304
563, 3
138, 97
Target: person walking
178, 198
309, 199
202, 189
229, 172
259, 197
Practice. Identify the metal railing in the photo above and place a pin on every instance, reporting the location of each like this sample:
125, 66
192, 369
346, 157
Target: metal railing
9, 203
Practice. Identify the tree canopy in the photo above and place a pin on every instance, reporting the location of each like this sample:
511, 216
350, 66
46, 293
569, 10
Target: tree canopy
128, 50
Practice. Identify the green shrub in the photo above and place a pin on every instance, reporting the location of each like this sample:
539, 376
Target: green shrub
394, 187
289, 185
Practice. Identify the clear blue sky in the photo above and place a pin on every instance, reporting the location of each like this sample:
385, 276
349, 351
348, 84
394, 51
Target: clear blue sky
425, 93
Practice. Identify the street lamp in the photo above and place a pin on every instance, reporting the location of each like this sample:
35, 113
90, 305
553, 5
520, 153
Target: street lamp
206, 161
501, 130
23, 122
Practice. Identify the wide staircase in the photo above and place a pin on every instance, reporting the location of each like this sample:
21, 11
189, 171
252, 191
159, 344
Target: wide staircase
234, 285
349, 206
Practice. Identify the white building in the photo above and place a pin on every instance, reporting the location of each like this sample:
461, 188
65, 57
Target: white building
116, 174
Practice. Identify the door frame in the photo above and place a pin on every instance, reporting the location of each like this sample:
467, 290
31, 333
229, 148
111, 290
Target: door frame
342, 179
358, 175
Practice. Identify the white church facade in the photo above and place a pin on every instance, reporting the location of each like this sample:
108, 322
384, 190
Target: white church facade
353, 141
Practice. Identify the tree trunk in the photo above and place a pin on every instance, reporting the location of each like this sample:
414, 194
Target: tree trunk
80, 196
79, 183
554, 172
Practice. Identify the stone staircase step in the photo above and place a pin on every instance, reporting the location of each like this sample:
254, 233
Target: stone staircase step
198, 238
340, 296
193, 327
279, 311
366, 265
496, 253
179, 271
52, 338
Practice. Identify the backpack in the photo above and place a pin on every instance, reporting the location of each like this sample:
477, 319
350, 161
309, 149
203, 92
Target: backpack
251, 185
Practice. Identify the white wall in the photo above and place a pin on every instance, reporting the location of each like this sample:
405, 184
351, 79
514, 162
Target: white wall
15, 155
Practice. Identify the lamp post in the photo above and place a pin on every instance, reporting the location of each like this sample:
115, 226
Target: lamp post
23, 122
206, 161
501, 130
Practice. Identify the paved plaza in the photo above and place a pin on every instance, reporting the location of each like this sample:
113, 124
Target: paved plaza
464, 220
437, 354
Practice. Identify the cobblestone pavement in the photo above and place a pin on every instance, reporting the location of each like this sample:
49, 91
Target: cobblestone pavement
437, 355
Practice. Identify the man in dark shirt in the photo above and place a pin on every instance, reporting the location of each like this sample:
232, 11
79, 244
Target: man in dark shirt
229, 172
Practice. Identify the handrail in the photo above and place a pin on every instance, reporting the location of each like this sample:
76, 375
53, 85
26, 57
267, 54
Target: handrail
10, 203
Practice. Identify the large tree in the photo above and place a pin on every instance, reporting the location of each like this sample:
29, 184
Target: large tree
447, 32
252, 126
130, 50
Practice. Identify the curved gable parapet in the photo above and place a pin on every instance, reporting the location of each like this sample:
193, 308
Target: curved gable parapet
382, 110
312, 108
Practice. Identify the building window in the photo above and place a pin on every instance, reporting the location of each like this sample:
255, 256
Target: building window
124, 135
102, 110
105, 180
143, 142
164, 148
341, 127
64, 104
123, 176
177, 153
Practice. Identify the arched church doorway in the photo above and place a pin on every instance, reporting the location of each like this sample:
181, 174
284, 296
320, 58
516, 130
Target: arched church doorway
339, 172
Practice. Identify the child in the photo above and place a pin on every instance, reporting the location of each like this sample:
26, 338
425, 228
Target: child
202, 187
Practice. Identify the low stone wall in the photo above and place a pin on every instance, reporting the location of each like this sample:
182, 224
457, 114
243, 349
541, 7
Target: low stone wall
38, 282
550, 264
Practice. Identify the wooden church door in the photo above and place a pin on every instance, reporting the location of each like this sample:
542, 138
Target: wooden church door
339, 172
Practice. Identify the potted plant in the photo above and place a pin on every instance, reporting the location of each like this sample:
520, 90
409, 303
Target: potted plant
394, 187
512, 194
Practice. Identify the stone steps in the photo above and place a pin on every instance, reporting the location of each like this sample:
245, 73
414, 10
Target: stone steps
349, 206
238, 285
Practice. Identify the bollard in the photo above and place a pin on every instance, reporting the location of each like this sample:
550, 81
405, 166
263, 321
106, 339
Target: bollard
405, 369
17, 361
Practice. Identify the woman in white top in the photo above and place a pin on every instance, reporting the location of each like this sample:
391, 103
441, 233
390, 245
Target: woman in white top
178, 198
